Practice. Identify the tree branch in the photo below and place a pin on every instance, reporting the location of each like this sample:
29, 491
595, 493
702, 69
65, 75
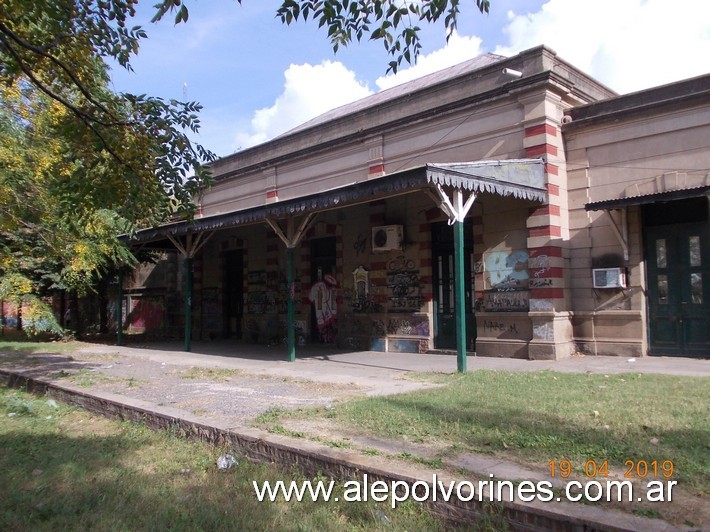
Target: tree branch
77, 82
84, 117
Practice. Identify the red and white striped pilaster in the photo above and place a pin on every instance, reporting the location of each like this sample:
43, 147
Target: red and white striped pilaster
547, 229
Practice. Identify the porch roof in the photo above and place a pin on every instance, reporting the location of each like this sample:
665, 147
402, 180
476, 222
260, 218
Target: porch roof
667, 187
520, 178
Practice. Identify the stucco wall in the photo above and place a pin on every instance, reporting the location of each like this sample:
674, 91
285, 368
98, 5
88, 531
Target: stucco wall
623, 156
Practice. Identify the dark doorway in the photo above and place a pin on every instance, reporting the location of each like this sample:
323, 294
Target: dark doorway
677, 253
233, 293
442, 237
323, 311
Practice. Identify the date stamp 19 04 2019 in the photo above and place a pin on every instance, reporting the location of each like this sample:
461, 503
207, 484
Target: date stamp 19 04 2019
583, 480
640, 469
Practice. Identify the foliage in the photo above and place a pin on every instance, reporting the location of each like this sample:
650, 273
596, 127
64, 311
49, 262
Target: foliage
394, 23
58, 225
80, 164
140, 142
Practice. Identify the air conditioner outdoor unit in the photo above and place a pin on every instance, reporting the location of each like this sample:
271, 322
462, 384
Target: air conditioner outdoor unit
387, 238
609, 277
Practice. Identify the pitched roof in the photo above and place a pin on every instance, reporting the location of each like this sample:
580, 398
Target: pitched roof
399, 90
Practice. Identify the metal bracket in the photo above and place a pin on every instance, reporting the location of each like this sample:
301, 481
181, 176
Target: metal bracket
191, 247
293, 236
455, 208
622, 234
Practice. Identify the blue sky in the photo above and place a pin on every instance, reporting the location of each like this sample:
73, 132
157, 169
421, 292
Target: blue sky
257, 78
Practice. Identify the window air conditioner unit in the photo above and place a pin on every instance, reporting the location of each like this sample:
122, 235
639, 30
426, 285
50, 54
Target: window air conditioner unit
387, 238
609, 277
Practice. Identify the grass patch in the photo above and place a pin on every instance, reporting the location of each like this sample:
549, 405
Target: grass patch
66, 469
212, 374
436, 463
86, 378
544, 416
271, 415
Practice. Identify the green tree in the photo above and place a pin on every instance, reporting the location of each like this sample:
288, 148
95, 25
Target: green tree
47, 239
80, 164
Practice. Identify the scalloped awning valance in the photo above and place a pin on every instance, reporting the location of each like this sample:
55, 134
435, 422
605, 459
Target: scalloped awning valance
520, 178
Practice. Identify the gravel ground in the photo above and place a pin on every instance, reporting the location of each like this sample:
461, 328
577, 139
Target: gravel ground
233, 396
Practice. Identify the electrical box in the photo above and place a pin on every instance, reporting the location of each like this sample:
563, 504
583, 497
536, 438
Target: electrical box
387, 238
609, 277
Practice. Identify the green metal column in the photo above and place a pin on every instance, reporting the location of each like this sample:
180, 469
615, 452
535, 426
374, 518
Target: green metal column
459, 297
291, 321
119, 313
188, 303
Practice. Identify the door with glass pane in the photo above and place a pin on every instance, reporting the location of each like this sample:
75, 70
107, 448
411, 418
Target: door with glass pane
678, 267
442, 237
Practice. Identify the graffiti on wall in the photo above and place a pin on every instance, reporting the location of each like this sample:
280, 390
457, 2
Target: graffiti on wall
378, 328
362, 304
9, 314
540, 283
518, 301
403, 285
356, 326
256, 295
256, 302
544, 331
410, 326
501, 329
359, 296
267, 293
360, 244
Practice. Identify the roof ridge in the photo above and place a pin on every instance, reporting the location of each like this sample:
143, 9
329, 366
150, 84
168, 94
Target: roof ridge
427, 80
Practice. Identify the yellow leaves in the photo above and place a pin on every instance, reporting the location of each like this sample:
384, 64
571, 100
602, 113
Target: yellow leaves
83, 259
15, 286
37, 316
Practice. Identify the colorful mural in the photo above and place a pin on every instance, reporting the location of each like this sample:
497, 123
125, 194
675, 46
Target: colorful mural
323, 299
507, 280
146, 314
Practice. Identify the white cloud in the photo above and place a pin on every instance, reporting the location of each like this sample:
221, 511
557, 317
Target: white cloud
627, 44
308, 92
457, 50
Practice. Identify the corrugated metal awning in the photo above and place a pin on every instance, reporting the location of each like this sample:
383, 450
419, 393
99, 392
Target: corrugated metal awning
520, 178
667, 187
